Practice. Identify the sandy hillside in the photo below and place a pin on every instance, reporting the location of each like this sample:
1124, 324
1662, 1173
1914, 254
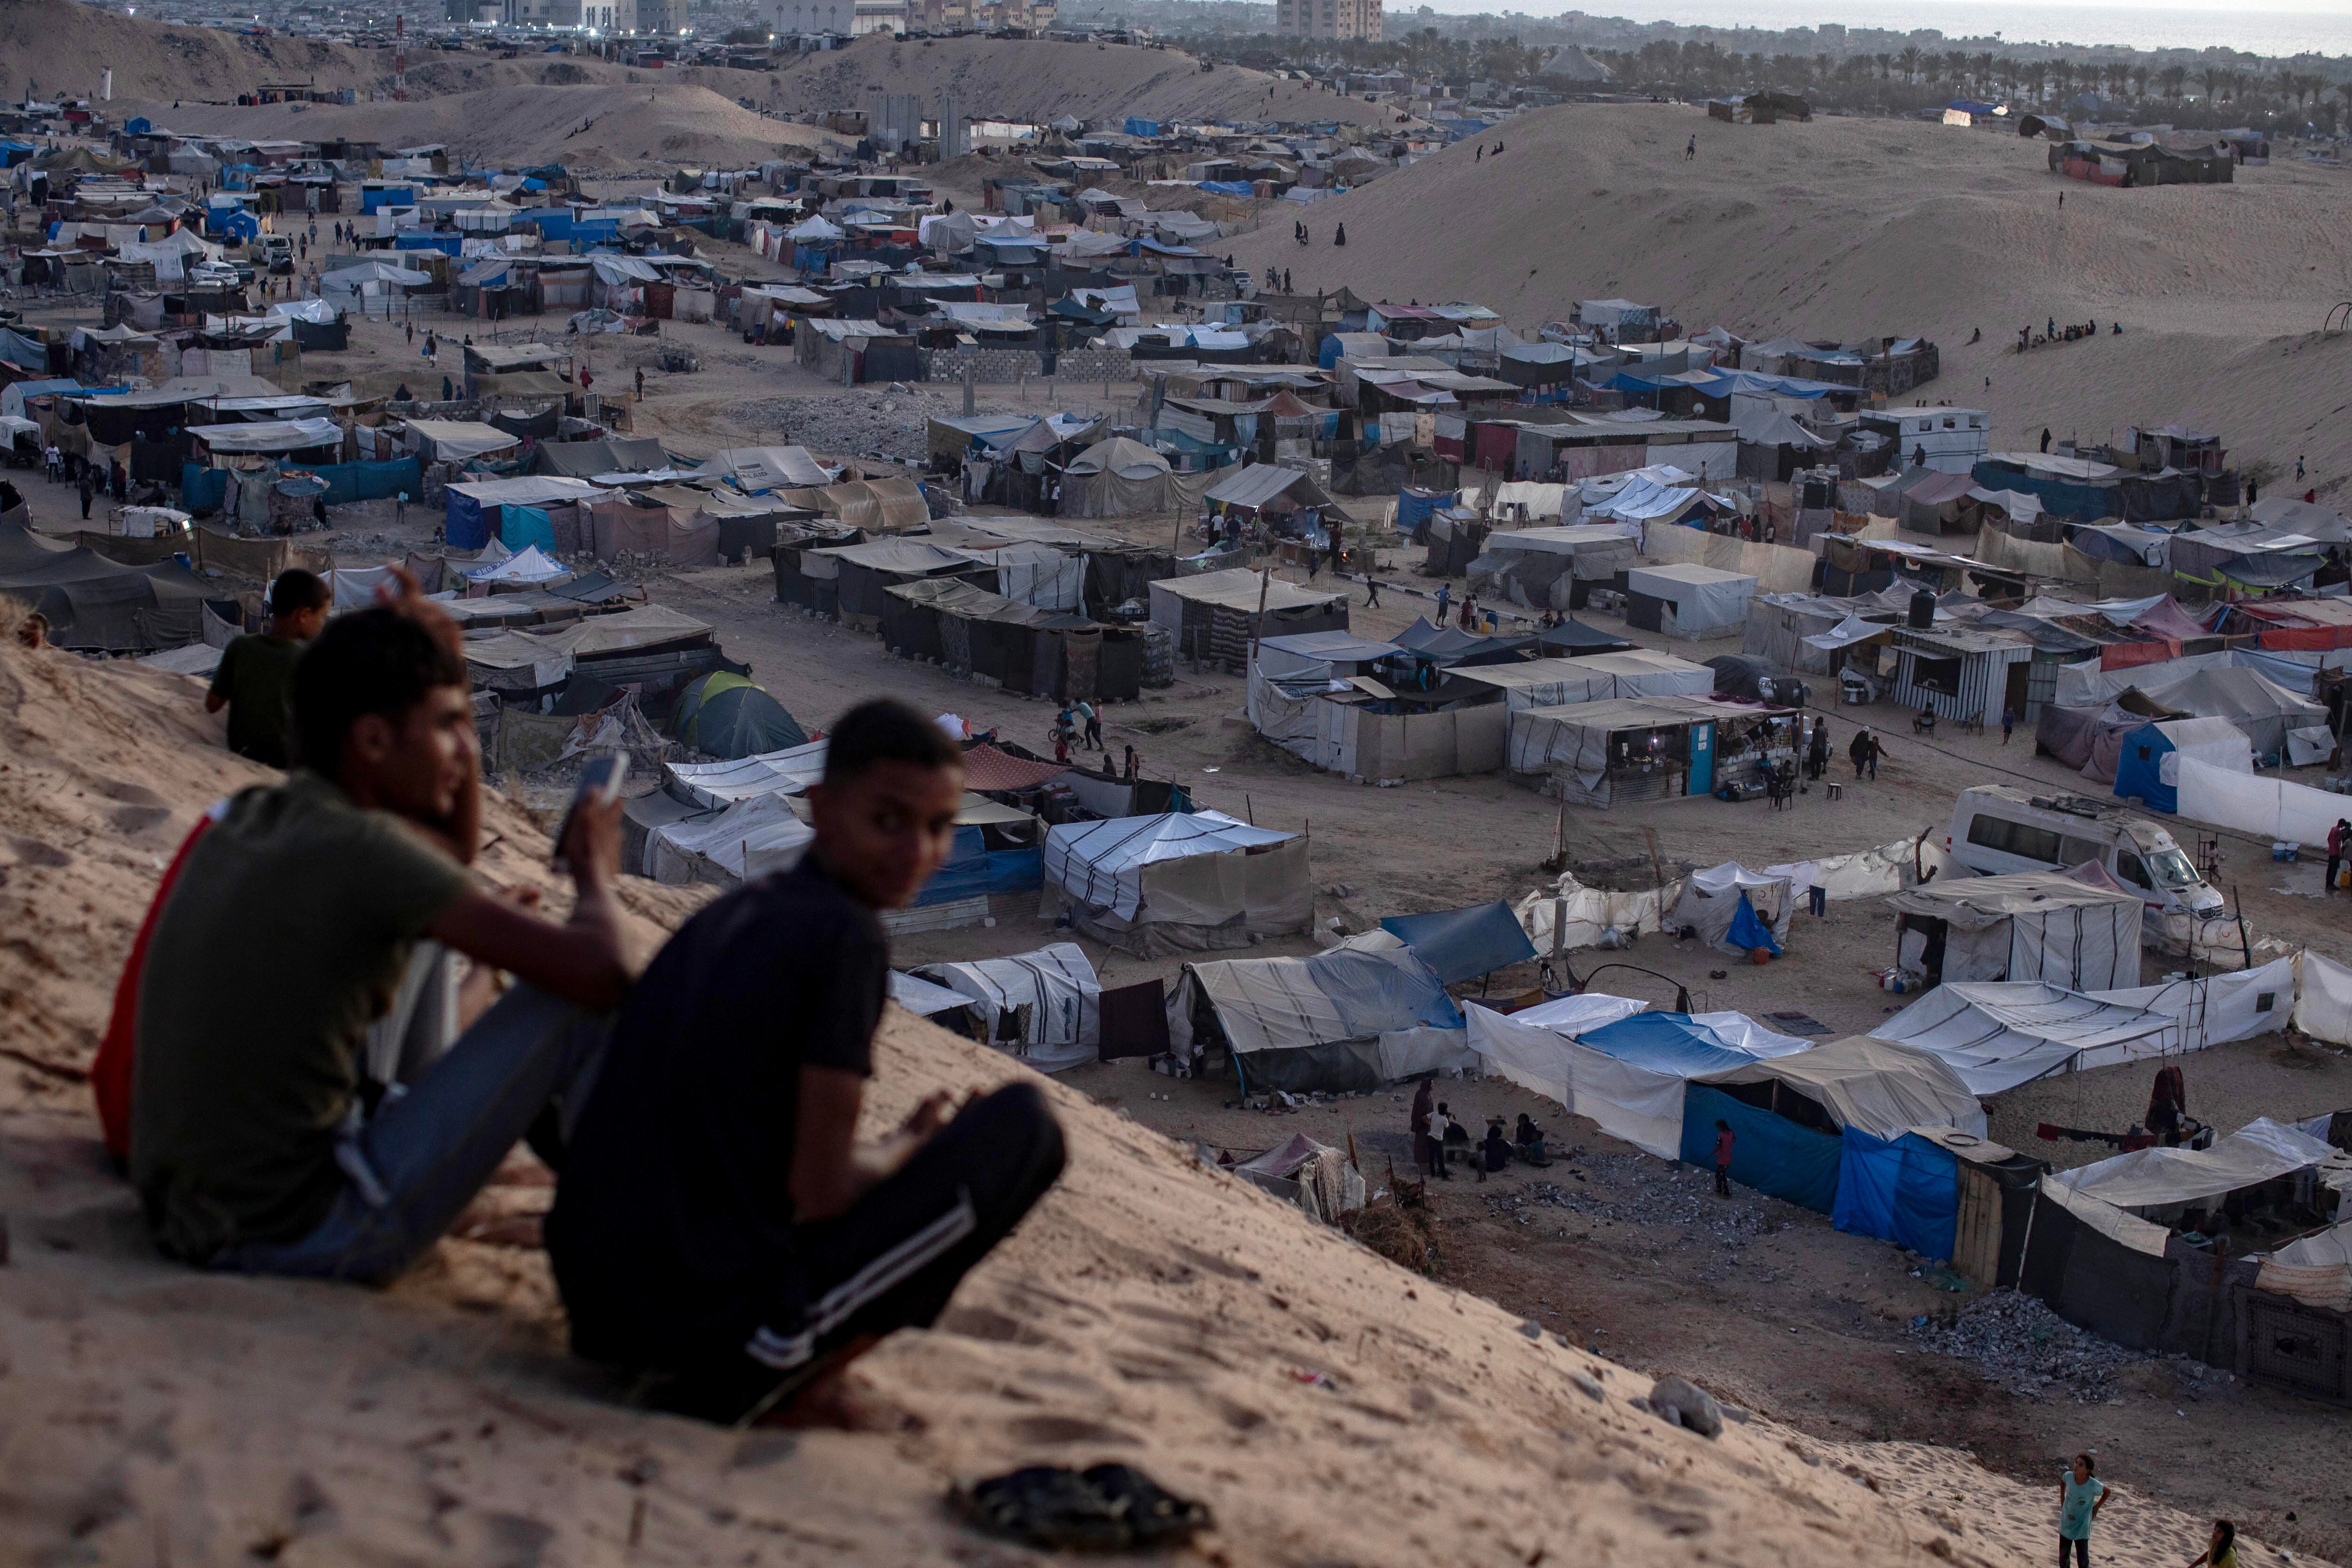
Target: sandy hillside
1844, 227
1330, 1406
61, 46
1042, 80
660, 124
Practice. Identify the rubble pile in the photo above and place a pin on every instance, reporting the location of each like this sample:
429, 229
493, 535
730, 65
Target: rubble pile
2017, 1342
892, 421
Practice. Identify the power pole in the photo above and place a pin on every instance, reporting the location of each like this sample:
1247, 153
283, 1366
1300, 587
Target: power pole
400, 57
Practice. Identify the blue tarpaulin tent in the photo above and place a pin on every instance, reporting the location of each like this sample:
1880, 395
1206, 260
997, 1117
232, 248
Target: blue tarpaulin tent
1672, 1043
463, 526
370, 481
1415, 508
1137, 126
520, 527
1463, 945
973, 870
1906, 1192
1768, 1151
1748, 931
202, 490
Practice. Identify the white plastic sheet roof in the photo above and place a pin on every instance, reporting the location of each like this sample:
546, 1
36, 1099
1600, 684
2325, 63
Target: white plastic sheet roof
749, 838
1999, 1034
1056, 983
1875, 1086
788, 772
530, 565
1102, 863
272, 435
2155, 1178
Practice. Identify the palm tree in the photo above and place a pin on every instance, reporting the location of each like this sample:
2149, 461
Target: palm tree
2210, 78
1886, 64
2139, 82
2062, 76
2173, 77
2118, 77
1910, 60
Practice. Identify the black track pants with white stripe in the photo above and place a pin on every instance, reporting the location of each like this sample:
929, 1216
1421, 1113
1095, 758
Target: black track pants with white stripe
894, 1260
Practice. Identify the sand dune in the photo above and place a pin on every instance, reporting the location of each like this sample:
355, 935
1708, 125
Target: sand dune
1330, 1406
58, 47
1847, 227
654, 127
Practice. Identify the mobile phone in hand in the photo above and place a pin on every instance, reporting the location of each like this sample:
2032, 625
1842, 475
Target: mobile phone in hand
600, 781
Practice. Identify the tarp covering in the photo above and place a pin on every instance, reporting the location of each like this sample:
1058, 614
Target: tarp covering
1277, 1015
2262, 708
2322, 998
1063, 1026
2030, 925
1463, 945
2159, 1178
1877, 1086
2148, 759
749, 838
1735, 910
1559, 682
1903, 1189
2268, 808
1996, 1036
1701, 600
1177, 878
1768, 1152
724, 714
786, 772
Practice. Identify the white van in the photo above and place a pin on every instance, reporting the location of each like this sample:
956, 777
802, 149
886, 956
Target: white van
1996, 829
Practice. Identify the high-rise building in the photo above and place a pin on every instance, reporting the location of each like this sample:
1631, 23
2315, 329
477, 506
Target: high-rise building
1359, 19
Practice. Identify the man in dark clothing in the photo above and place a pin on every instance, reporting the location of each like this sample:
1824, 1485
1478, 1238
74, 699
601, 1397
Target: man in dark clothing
89, 489
1424, 1148
1372, 591
1722, 1142
1817, 754
1862, 752
254, 679
2339, 845
715, 1231
2166, 1104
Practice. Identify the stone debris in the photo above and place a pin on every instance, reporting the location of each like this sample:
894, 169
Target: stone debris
896, 425
1682, 1403
2017, 1342
1663, 1205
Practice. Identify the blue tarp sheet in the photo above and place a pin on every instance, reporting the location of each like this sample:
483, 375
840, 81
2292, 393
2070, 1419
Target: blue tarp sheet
1463, 945
202, 489
1666, 1043
2139, 769
1746, 930
463, 526
1906, 1192
2064, 498
370, 481
520, 527
1228, 187
1768, 1152
1414, 509
972, 871
1137, 126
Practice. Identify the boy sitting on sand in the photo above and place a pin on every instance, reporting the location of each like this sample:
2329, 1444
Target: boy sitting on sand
716, 1230
284, 936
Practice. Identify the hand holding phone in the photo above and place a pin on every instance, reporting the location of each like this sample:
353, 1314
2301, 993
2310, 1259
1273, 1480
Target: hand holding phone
599, 786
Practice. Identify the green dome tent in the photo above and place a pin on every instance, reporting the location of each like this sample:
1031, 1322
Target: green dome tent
727, 716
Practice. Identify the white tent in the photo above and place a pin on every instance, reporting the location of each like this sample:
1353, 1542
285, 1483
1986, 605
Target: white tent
2316, 1270
1367, 1012
2267, 807
1692, 600
1710, 902
749, 838
922, 998
454, 440
2028, 925
1119, 456
1997, 1036
528, 566
788, 772
1062, 1024
2172, 1179
1595, 678
1153, 885
2264, 710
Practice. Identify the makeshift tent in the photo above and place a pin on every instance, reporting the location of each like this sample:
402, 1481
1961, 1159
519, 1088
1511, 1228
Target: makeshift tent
1042, 1006
787, 771
1880, 1087
1998, 1036
1363, 1014
1155, 885
1559, 682
925, 1000
1607, 1060
2261, 708
458, 440
2028, 925
529, 564
2148, 759
725, 715
1905, 1189
2316, 1269
2171, 1179
749, 838
2268, 808
757, 469
1687, 601
1735, 910
1770, 1153
2089, 737
96, 604
1463, 945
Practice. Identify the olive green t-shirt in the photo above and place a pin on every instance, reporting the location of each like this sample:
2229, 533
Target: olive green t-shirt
257, 676
282, 939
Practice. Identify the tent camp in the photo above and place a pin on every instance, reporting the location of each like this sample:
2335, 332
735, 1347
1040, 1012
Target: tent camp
2029, 925
1463, 945
1042, 1006
2148, 759
2089, 737
1559, 682
748, 838
2264, 710
713, 784
757, 469
1181, 881
1364, 1012
2159, 1184
457, 440
1214, 614
92, 602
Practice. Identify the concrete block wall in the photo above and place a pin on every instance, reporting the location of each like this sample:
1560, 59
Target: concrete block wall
1005, 366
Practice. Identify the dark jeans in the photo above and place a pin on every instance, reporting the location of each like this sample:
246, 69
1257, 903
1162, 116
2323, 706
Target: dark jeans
527, 1067
2332, 862
1818, 898
1723, 1180
891, 1261
1094, 733
2081, 1551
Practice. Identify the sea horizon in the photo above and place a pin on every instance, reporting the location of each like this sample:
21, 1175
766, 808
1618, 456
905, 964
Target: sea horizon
2084, 23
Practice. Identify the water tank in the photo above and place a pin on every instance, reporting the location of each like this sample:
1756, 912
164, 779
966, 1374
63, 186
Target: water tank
1923, 609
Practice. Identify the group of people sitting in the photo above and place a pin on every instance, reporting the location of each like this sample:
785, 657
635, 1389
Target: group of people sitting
1438, 1137
300, 1081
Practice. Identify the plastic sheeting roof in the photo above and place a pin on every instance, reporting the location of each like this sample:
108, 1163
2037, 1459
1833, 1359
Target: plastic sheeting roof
767, 467
1104, 860
1056, 982
788, 772
1997, 1034
1877, 1086
2154, 1178
1237, 588
1687, 1045
271, 435
1463, 945
1359, 991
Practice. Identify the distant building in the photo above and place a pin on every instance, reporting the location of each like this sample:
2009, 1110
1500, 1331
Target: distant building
877, 17
1357, 19
541, 13
795, 18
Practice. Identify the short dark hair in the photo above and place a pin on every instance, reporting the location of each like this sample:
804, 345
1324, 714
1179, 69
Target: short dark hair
375, 660
1722, 1125
2090, 1466
885, 729
297, 590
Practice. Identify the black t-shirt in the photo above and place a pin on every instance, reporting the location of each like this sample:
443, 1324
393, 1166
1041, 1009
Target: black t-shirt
672, 1226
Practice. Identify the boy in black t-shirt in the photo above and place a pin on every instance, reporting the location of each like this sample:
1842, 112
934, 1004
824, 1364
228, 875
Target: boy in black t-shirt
715, 1227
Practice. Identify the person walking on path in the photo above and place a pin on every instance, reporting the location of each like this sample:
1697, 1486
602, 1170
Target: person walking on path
86, 489
1444, 597
2008, 722
1722, 1142
1691, 151
1371, 591
2221, 1551
2080, 1498
1877, 752
1093, 722
1857, 750
2339, 849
